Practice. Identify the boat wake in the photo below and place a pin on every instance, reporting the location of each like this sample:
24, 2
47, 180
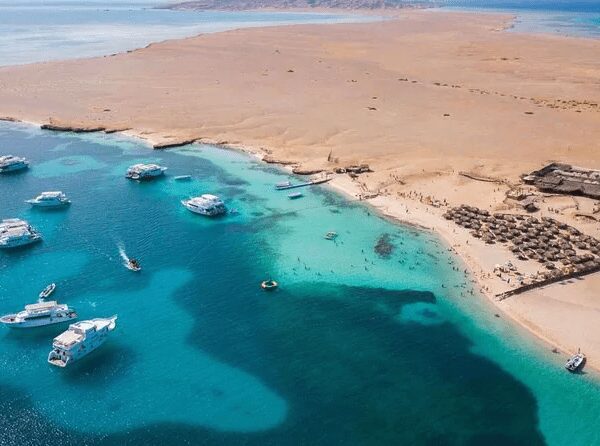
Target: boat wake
123, 254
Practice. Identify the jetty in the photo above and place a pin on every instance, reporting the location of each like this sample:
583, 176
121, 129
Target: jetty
288, 185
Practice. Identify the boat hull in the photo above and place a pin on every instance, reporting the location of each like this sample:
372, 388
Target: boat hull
42, 322
20, 243
13, 168
202, 211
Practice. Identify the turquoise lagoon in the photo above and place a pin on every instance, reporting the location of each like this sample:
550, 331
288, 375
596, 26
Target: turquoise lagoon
353, 349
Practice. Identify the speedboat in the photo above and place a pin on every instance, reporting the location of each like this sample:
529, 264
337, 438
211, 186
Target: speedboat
575, 362
15, 232
331, 235
80, 339
144, 171
182, 177
295, 195
133, 265
11, 163
40, 314
49, 199
209, 205
46, 292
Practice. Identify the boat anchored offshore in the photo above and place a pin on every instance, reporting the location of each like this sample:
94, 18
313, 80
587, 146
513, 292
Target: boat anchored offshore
15, 232
80, 339
209, 205
295, 195
331, 235
46, 292
49, 199
144, 171
11, 163
575, 362
39, 314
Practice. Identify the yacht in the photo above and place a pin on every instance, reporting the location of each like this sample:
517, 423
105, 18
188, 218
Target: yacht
11, 163
144, 171
49, 199
39, 314
15, 232
80, 339
206, 204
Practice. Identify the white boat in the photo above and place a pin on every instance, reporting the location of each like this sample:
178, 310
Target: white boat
9, 163
39, 314
50, 199
80, 339
182, 177
46, 292
575, 362
15, 232
331, 235
144, 171
206, 204
295, 195
283, 185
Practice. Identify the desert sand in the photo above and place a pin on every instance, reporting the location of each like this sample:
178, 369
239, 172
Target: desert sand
421, 98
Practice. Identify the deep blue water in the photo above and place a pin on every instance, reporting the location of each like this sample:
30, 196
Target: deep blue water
353, 349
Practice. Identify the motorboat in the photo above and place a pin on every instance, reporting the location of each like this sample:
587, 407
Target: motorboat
575, 362
283, 185
133, 265
295, 195
269, 285
79, 340
182, 177
39, 314
207, 204
144, 171
331, 235
15, 232
46, 292
49, 199
9, 163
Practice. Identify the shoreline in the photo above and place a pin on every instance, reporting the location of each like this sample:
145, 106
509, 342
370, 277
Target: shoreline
398, 120
351, 192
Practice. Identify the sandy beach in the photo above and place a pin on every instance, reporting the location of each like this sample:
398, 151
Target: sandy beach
423, 98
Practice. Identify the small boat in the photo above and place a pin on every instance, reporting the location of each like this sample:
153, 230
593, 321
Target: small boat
207, 204
80, 339
39, 315
133, 265
575, 362
49, 199
182, 177
283, 185
144, 171
295, 195
269, 285
11, 163
46, 292
331, 235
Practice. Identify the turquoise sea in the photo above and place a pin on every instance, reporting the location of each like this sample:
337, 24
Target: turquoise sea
353, 349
